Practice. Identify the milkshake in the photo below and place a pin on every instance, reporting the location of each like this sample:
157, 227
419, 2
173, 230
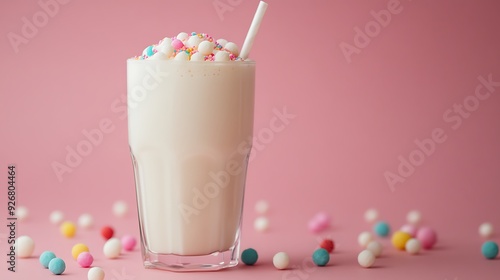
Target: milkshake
190, 114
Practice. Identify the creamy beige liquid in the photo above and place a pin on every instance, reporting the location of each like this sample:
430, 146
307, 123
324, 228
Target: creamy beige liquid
189, 128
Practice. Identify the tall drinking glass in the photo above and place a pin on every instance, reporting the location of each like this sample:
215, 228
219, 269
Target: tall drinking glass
190, 127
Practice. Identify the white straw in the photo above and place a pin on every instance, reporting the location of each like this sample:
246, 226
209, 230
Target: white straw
252, 31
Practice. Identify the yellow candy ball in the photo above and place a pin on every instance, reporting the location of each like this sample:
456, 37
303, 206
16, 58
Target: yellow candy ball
68, 229
399, 239
77, 249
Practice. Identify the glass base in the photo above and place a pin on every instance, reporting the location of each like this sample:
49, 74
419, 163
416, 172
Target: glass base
178, 263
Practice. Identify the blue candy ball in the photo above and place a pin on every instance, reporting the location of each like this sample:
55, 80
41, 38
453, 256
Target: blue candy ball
381, 229
149, 51
489, 250
249, 256
46, 257
321, 257
57, 266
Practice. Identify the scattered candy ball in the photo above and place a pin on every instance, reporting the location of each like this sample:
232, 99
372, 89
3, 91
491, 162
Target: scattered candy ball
315, 227
24, 246
85, 221
57, 266
364, 238
68, 229
366, 258
411, 229
328, 245
321, 257
120, 208
78, 249
261, 224
261, 207
107, 232
85, 259
249, 256
22, 213
96, 273
128, 242
319, 222
281, 260
427, 237
46, 257
414, 217
399, 239
413, 246
112, 248
56, 217
486, 230
371, 215
375, 247
381, 229
489, 250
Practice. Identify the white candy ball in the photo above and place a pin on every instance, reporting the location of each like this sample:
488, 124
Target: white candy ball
206, 47
262, 206
486, 230
193, 41
281, 260
413, 246
56, 217
182, 36
364, 238
85, 221
165, 42
24, 246
112, 248
375, 247
232, 48
120, 208
197, 56
371, 215
261, 224
181, 56
168, 50
414, 217
159, 56
221, 42
366, 258
222, 56
95, 273
22, 213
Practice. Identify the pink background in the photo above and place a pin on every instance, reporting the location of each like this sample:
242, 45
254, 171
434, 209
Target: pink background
353, 120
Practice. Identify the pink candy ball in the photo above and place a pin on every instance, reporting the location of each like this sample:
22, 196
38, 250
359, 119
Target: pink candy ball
319, 222
177, 44
427, 237
128, 242
410, 229
85, 259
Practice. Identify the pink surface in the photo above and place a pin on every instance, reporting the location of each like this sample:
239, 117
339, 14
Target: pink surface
356, 117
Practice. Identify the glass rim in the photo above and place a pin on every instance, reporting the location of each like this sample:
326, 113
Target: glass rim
171, 61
